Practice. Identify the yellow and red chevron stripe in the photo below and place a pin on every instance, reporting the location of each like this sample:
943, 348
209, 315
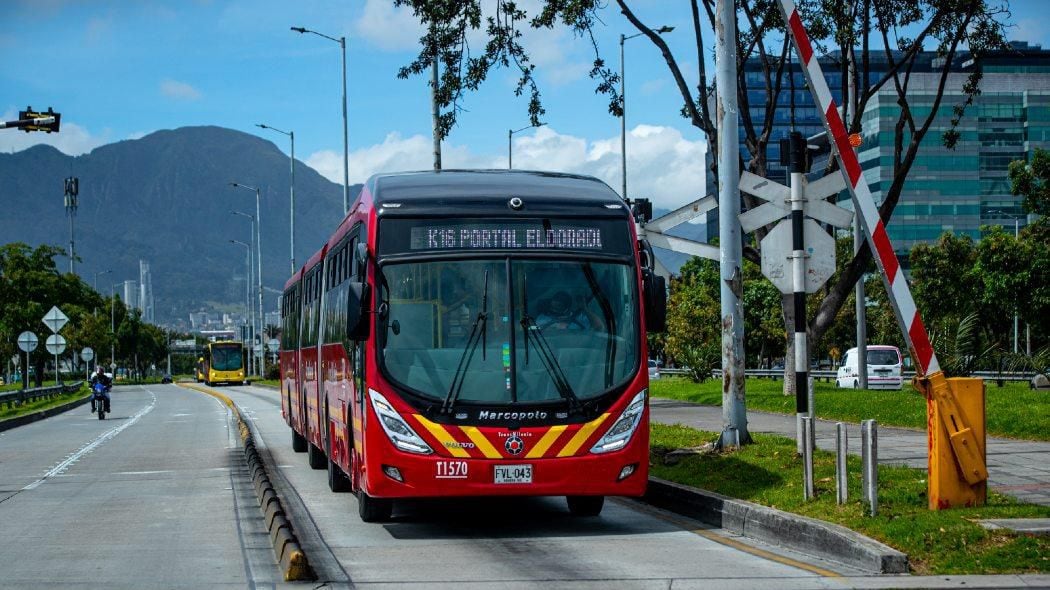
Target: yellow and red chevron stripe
562, 440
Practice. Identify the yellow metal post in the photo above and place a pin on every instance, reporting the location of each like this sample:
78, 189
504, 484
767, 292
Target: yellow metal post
956, 437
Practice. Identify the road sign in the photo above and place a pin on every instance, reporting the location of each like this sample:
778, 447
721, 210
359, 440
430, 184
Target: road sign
112, 366
56, 344
273, 344
87, 354
258, 348
779, 204
48, 121
55, 319
776, 256
27, 341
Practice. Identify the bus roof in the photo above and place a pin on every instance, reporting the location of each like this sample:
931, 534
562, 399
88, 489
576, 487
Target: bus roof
451, 186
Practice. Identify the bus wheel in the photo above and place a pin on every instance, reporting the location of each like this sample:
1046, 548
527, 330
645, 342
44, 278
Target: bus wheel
298, 442
585, 505
373, 509
315, 457
338, 481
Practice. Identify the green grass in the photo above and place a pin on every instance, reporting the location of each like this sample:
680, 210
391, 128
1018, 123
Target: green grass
937, 542
1012, 411
43, 404
271, 382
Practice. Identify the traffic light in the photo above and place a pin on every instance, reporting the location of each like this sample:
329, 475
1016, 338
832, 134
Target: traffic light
29, 113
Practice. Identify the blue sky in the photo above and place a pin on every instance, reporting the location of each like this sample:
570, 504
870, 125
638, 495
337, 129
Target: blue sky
119, 69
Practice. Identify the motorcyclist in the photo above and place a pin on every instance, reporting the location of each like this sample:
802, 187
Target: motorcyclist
101, 377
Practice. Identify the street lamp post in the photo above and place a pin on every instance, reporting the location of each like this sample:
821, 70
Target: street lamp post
258, 259
1017, 218
249, 278
346, 151
510, 149
623, 105
101, 272
112, 324
247, 289
291, 213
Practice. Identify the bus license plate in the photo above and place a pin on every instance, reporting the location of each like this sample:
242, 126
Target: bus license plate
513, 473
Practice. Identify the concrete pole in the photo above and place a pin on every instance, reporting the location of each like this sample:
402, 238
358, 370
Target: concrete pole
734, 411
623, 122
858, 241
434, 112
510, 150
346, 142
291, 213
258, 242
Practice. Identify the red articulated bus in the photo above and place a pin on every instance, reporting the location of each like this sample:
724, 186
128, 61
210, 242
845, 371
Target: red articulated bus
474, 333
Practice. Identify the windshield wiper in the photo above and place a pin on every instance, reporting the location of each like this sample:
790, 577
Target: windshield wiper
476, 336
550, 361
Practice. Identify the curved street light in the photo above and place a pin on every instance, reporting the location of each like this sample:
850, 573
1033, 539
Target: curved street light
623, 105
291, 212
346, 151
510, 149
258, 252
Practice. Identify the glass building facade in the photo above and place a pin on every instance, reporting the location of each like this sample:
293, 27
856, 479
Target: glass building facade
946, 190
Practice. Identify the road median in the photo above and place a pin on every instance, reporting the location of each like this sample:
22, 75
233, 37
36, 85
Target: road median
295, 565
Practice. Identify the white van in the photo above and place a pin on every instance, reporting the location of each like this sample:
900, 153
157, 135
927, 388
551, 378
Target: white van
884, 368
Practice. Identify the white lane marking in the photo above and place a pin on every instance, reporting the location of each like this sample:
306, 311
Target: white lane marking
94, 444
142, 472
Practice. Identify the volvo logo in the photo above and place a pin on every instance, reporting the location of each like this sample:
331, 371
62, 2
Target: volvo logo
514, 445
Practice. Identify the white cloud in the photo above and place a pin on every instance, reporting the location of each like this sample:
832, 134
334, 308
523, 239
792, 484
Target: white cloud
662, 164
179, 90
388, 27
71, 139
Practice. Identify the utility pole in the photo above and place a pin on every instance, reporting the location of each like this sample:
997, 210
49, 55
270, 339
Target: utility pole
734, 411
72, 189
434, 113
861, 310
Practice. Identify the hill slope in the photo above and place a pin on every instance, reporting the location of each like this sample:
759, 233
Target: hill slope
166, 199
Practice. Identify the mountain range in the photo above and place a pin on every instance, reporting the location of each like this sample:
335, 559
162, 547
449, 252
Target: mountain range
166, 198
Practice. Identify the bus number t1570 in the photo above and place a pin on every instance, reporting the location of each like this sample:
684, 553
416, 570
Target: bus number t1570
451, 470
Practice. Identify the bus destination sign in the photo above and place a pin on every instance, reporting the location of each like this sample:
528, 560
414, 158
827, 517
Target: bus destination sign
505, 237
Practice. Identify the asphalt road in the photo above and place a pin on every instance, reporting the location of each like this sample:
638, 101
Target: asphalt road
154, 496
509, 542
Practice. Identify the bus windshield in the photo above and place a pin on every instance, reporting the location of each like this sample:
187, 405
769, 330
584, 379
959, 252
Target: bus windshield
506, 330
226, 358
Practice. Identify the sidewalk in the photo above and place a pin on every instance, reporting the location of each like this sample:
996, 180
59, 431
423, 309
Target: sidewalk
1018, 468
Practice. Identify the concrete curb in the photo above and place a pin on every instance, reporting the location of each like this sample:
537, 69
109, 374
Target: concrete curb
799, 533
40, 415
294, 564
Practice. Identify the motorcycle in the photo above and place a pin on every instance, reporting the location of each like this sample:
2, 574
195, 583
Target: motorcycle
98, 399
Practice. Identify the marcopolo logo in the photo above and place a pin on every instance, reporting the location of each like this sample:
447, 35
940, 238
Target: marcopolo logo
489, 415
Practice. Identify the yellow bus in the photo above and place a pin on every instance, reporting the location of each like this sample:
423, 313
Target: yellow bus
223, 362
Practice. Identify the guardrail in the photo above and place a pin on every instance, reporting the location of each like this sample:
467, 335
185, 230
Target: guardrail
13, 399
829, 376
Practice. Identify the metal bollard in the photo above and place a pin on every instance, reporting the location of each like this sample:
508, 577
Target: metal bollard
807, 459
869, 452
841, 453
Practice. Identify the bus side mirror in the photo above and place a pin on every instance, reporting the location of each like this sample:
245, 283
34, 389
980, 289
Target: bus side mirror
357, 311
655, 288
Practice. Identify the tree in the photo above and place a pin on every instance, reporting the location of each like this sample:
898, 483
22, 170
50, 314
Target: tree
855, 29
1032, 181
30, 285
693, 328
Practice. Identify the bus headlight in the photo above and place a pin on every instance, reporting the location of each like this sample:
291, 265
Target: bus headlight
397, 430
620, 434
